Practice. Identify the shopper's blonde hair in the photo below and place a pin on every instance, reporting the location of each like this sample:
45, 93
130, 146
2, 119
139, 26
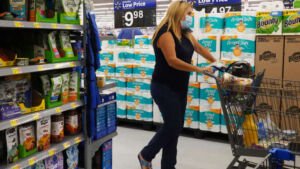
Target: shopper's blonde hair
173, 18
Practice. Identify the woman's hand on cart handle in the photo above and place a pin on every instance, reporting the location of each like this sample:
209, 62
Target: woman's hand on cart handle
205, 70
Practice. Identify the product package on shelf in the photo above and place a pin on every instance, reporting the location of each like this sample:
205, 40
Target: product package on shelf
71, 157
45, 12
144, 56
55, 162
212, 23
193, 75
142, 42
107, 155
108, 70
27, 140
212, 43
68, 13
12, 144
139, 107
291, 57
143, 70
108, 44
138, 86
124, 55
240, 23
210, 108
291, 22
106, 56
193, 103
124, 43
43, 132
124, 70
269, 22
157, 117
238, 48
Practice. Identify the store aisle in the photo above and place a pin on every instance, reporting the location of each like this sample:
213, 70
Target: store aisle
192, 153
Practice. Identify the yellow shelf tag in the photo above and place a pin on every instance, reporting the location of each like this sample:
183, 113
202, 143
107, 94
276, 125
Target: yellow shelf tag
32, 161
36, 116
66, 145
40, 67
15, 167
72, 64
77, 140
74, 105
14, 122
58, 110
54, 26
51, 152
16, 70
68, 27
19, 24
37, 25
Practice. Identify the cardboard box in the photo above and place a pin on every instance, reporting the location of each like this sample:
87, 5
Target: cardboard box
292, 58
269, 56
291, 115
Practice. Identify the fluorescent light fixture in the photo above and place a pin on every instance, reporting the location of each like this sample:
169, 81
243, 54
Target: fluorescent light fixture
103, 4
164, 9
163, 5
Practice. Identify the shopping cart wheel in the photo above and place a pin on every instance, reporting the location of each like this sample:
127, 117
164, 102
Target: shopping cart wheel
199, 134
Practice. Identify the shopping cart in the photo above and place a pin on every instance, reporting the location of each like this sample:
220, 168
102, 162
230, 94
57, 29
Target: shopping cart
262, 119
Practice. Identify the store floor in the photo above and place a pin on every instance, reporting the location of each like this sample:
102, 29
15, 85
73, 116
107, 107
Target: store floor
192, 153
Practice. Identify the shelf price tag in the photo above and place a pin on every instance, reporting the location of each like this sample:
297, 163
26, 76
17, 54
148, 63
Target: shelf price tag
77, 140
15, 167
72, 64
14, 122
37, 25
36, 116
32, 161
54, 26
40, 67
74, 105
19, 24
68, 27
51, 152
66, 145
58, 110
16, 70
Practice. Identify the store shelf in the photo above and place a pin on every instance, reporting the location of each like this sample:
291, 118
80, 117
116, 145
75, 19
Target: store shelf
38, 115
6, 71
38, 25
107, 86
107, 103
55, 148
94, 145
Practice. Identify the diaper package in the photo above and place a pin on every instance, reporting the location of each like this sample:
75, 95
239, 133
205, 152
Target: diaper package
142, 42
209, 120
138, 86
212, 23
143, 71
193, 96
108, 44
124, 43
123, 70
269, 22
291, 22
191, 119
147, 107
124, 55
139, 107
193, 75
106, 56
157, 117
121, 97
108, 70
144, 56
238, 48
240, 23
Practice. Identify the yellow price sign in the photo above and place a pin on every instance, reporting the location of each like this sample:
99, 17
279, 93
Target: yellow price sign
40, 67
66, 145
72, 64
68, 27
16, 167
51, 152
37, 25
74, 105
36, 116
77, 140
19, 24
58, 110
16, 70
14, 122
54, 26
32, 161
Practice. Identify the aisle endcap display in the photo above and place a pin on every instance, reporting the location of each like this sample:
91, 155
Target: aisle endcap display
38, 25
54, 148
6, 71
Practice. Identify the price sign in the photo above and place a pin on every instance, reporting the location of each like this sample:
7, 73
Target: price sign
217, 6
135, 13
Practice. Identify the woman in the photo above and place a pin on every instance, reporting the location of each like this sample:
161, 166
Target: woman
174, 46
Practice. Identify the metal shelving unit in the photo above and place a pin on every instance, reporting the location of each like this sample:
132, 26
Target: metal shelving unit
38, 25
37, 68
55, 148
107, 86
38, 115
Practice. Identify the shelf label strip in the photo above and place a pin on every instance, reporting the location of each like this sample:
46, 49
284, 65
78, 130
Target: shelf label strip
51, 152
32, 161
19, 24
58, 110
67, 145
14, 122
16, 70
77, 140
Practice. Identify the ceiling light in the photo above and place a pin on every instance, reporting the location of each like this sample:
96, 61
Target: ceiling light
103, 4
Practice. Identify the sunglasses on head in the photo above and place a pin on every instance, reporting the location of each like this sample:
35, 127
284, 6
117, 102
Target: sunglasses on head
186, 1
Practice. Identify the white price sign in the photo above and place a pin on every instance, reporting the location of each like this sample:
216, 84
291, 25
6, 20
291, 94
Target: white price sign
130, 16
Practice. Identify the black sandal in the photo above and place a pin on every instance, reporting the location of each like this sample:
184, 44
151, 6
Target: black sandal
144, 164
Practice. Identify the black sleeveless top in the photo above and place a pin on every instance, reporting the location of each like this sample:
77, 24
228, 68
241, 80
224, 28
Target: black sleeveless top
177, 80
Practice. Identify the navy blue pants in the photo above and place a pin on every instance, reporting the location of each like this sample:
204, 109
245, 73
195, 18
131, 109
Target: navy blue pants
172, 105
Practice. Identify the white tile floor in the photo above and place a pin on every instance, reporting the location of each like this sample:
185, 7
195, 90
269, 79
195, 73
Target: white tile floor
192, 153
